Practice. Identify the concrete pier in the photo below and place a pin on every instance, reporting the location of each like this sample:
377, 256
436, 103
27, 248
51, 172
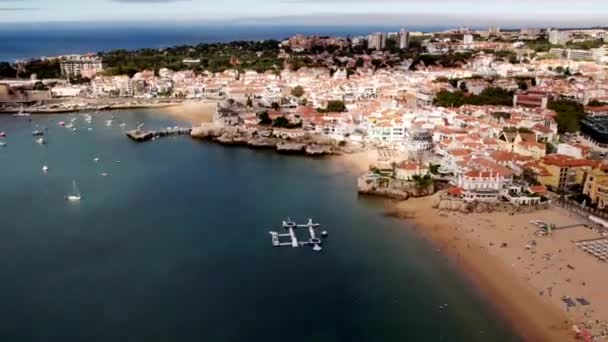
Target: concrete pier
142, 135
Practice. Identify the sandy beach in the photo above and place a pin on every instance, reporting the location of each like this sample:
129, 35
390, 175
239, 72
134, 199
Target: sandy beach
526, 280
195, 112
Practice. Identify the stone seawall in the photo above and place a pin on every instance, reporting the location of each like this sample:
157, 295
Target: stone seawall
446, 203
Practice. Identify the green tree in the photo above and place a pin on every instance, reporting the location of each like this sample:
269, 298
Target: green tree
264, 118
281, 121
336, 106
7, 71
297, 91
569, 115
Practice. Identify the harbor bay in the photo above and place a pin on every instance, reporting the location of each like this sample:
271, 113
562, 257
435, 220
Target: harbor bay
172, 244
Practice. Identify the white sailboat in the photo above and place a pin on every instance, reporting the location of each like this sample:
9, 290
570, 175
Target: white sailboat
75, 195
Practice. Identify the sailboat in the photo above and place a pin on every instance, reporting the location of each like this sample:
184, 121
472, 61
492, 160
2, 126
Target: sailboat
21, 112
75, 195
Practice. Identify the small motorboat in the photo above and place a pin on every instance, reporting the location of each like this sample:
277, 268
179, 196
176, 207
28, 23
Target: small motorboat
37, 133
45, 169
74, 196
61, 123
2, 134
2, 144
41, 141
104, 174
95, 159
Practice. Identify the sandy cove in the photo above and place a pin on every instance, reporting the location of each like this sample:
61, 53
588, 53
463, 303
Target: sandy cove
526, 285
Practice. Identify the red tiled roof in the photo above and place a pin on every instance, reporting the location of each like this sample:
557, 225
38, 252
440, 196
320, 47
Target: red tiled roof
567, 161
455, 191
538, 189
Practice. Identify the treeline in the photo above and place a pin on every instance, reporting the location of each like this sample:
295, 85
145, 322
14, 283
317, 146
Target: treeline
488, 97
448, 60
42, 69
259, 56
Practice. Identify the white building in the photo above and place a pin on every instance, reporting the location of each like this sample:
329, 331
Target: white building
404, 39
558, 37
467, 39
84, 66
377, 41
485, 186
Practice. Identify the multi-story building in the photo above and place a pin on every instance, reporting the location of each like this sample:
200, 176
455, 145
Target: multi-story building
404, 39
564, 171
83, 66
377, 41
596, 186
530, 98
467, 39
557, 37
480, 185
493, 30
407, 170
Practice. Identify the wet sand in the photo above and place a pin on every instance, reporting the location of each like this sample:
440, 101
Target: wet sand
525, 281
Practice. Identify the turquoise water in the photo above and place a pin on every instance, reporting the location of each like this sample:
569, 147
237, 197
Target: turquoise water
173, 245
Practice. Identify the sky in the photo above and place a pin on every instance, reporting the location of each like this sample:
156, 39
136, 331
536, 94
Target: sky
515, 13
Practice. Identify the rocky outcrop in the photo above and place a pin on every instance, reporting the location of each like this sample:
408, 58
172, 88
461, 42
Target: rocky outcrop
231, 135
319, 150
396, 190
290, 148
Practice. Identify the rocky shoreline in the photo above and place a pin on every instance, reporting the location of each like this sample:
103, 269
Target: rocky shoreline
309, 144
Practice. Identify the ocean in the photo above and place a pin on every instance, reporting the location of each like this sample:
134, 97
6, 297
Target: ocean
173, 245
25, 41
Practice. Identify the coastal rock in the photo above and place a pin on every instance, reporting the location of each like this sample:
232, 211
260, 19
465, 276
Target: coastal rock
206, 131
284, 147
319, 150
262, 143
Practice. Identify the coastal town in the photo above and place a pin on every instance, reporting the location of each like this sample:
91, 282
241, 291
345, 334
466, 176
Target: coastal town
467, 123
